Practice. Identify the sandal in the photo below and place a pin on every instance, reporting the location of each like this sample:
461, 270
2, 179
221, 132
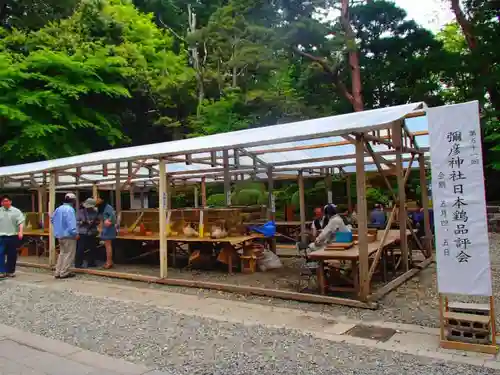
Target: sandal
108, 266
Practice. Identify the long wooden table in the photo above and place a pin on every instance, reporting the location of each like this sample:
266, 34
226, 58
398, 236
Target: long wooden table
229, 243
35, 232
286, 229
350, 255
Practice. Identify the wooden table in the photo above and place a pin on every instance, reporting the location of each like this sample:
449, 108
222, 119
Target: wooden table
229, 243
350, 255
286, 229
36, 232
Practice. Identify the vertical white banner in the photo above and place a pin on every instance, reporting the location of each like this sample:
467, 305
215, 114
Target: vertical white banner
462, 246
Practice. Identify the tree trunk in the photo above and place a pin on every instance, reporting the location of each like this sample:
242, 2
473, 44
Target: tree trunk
355, 95
195, 57
356, 86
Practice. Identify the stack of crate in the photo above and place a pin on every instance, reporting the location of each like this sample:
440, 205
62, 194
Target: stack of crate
468, 322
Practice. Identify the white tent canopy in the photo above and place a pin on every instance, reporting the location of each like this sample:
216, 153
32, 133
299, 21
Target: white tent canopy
315, 147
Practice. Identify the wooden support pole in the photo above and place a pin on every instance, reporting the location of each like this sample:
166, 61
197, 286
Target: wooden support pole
41, 194
364, 282
52, 208
328, 187
77, 203
141, 197
349, 195
425, 205
33, 205
95, 191
227, 178
118, 192
203, 192
302, 208
271, 206
163, 193
131, 190
195, 192
397, 142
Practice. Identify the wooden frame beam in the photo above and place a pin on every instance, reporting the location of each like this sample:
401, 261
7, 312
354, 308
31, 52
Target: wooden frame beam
397, 141
52, 208
364, 283
162, 211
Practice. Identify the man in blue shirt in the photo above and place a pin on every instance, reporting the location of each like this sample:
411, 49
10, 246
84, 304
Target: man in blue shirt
378, 219
64, 226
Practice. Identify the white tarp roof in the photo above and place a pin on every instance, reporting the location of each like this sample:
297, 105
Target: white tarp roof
263, 142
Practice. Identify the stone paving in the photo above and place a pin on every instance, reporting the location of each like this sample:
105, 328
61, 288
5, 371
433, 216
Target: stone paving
23, 353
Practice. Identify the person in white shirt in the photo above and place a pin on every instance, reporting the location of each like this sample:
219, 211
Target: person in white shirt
332, 223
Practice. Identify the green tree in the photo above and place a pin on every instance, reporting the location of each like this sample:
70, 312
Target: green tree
69, 83
34, 14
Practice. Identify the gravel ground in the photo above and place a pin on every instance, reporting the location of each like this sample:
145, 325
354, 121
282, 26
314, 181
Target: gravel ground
415, 302
188, 345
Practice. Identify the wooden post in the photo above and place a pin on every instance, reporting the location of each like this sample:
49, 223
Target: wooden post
203, 193
302, 208
52, 207
141, 197
41, 197
33, 204
195, 192
425, 205
118, 192
328, 186
271, 206
349, 196
77, 203
403, 217
95, 191
227, 178
364, 282
163, 193
131, 193
41, 193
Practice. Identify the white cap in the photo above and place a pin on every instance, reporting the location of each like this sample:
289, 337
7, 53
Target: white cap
70, 196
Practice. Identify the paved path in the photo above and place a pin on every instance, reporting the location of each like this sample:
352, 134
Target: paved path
23, 353
187, 334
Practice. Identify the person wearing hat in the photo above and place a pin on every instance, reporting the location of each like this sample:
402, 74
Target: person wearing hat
332, 223
87, 220
65, 230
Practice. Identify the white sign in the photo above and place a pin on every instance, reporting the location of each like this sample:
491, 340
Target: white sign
462, 247
273, 203
330, 196
164, 198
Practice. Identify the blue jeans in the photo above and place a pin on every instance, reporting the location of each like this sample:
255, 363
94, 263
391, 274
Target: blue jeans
8, 248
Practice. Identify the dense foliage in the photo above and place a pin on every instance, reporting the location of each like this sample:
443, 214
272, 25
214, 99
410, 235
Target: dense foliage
92, 74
